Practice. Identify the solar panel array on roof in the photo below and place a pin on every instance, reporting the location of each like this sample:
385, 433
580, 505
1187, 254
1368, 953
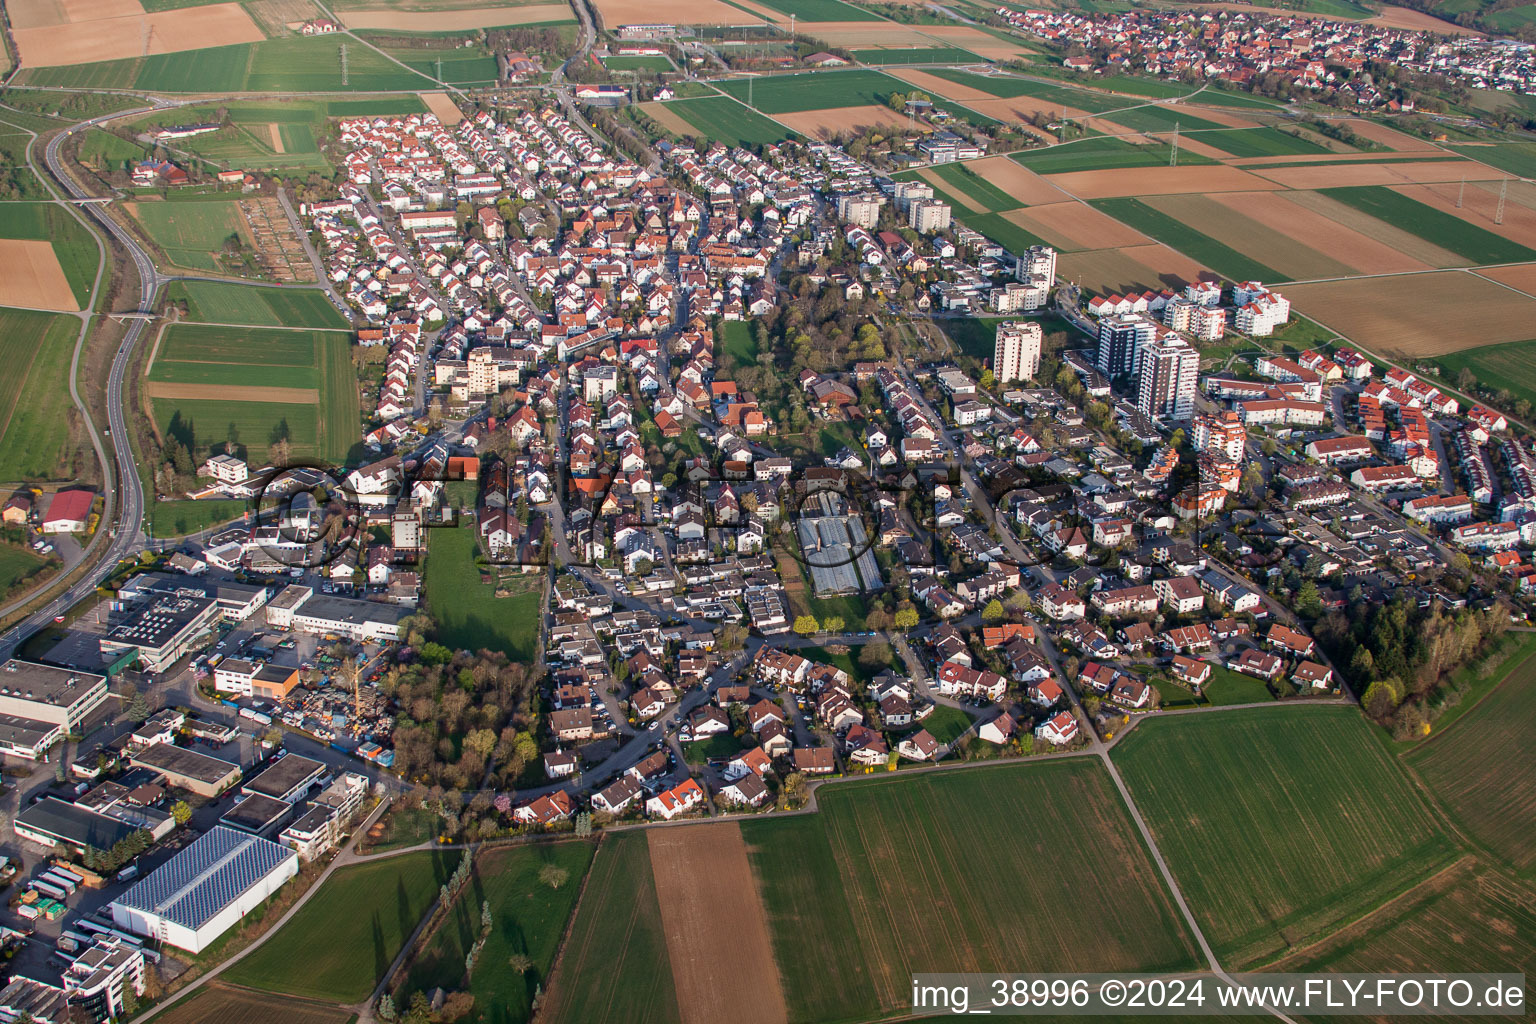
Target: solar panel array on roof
206, 877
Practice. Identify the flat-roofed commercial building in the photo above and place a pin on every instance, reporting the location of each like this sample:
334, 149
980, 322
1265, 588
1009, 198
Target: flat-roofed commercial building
187, 769
259, 815
197, 895
255, 679
289, 778
39, 704
238, 601
54, 822
161, 629
350, 618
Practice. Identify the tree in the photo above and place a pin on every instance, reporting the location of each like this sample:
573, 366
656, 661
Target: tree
553, 875
905, 618
522, 963
993, 612
59, 771
138, 708
833, 624
280, 453
181, 811
875, 654
387, 1007
805, 625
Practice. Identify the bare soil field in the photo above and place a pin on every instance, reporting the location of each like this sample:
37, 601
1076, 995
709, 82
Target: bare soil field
30, 276
1479, 205
278, 17
1255, 163
192, 28
1014, 109
1076, 226
1030, 188
822, 124
858, 33
680, 12
716, 926
441, 104
667, 118
1277, 211
233, 393
1413, 315
1152, 181
1137, 267
1222, 117
936, 86
1521, 276
43, 13
1360, 222
219, 1003
1390, 137
1229, 225
975, 40
1396, 172
456, 21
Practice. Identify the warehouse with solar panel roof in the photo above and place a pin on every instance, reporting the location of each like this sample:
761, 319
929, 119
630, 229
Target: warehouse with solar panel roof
197, 895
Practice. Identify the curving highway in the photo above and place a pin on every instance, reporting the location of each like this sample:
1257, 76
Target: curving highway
123, 514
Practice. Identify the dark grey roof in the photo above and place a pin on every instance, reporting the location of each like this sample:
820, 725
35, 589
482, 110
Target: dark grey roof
74, 824
206, 877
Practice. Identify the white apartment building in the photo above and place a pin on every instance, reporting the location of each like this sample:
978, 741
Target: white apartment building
1016, 352
1168, 373
928, 215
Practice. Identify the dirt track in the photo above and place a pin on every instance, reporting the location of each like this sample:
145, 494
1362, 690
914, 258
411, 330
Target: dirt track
717, 929
30, 276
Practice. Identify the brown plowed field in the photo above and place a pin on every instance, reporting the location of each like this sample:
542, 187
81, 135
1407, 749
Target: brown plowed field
441, 104
1414, 315
233, 393
677, 12
1012, 109
1189, 144
1221, 117
1359, 221
30, 276
1152, 181
43, 13
1028, 187
1076, 226
457, 21
1389, 137
87, 42
1405, 172
1521, 276
668, 119
1227, 224
936, 86
716, 927
219, 1003
821, 124
1137, 267
1277, 211
1478, 207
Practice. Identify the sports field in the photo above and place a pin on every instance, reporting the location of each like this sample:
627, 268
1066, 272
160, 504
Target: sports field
73, 245
1471, 769
36, 348
615, 966
637, 62
527, 917
1476, 244
468, 613
215, 302
1280, 824
340, 943
723, 119
1181, 236
210, 383
896, 876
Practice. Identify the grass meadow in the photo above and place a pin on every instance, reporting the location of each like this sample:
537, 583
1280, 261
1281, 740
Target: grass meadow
468, 614
216, 302
341, 942
723, 119
190, 233
35, 407
895, 876
1280, 824
1100, 153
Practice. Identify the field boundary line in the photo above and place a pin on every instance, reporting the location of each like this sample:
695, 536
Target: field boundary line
565, 936
154, 350
1450, 729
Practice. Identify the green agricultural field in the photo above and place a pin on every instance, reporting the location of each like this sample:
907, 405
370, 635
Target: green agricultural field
1198, 246
890, 878
35, 408
1151, 88
723, 119
1512, 19
203, 424
190, 233
1003, 231
217, 69
1100, 153
1279, 824
341, 942
1218, 97
1061, 95
1471, 767
814, 90
220, 303
979, 190
466, 66
1248, 142
918, 55
821, 10
73, 243
1160, 118
374, 107
236, 356
1443, 229
637, 62
1514, 157
527, 917
313, 64
468, 614
1510, 366
615, 966
183, 517
108, 74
